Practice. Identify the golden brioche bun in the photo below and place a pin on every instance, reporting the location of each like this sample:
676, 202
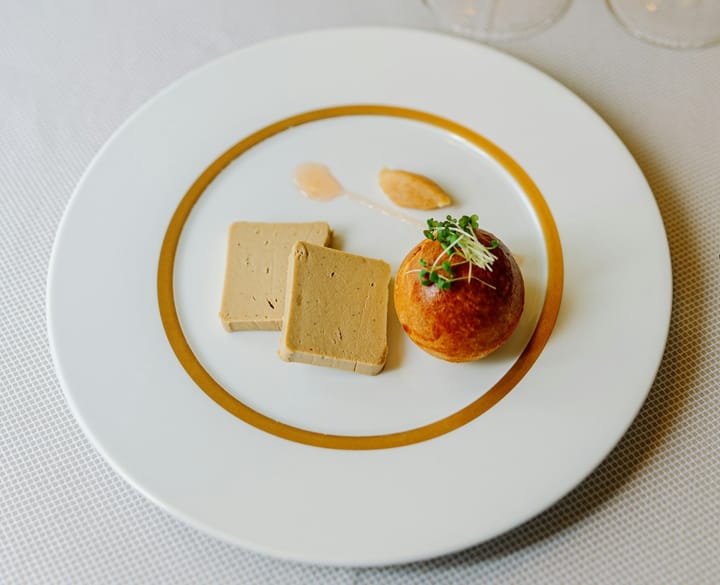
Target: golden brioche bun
471, 319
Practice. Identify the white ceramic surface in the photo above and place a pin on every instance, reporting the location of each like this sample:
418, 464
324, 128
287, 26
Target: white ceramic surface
162, 433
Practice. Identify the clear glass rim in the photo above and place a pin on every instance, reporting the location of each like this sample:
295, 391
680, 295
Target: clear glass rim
559, 8
657, 39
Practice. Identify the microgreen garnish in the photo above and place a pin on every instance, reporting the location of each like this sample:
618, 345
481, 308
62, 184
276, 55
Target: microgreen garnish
431, 274
456, 236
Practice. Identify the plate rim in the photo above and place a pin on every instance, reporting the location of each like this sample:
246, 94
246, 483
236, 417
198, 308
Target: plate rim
52, 275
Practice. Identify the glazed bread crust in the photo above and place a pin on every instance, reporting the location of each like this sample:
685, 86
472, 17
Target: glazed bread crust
470, 320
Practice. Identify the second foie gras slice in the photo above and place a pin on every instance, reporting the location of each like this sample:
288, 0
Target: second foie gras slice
256, 271
335, 310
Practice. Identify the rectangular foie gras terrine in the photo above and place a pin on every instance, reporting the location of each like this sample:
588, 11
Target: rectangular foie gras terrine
335, 310
256, 271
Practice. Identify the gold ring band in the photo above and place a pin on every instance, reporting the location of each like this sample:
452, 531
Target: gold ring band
191, 364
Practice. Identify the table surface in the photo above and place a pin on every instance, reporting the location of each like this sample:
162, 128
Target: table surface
71, 72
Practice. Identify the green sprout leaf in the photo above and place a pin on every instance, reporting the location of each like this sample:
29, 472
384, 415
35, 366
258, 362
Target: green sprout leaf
456, 236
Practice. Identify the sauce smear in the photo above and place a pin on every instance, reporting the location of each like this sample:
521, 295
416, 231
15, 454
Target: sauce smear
315, 181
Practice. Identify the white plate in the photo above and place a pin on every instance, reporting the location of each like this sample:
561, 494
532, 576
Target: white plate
325, 466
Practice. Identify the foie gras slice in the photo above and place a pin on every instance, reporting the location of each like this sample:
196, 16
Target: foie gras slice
335, 310
256, 271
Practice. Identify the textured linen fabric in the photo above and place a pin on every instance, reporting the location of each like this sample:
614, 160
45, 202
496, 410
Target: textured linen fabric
71, 72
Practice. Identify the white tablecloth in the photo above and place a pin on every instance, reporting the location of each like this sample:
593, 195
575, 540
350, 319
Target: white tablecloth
71, 72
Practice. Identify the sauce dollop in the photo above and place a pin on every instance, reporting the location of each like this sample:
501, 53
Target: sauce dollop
315, 181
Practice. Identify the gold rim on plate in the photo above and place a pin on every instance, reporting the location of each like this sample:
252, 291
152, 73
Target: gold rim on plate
191, 364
